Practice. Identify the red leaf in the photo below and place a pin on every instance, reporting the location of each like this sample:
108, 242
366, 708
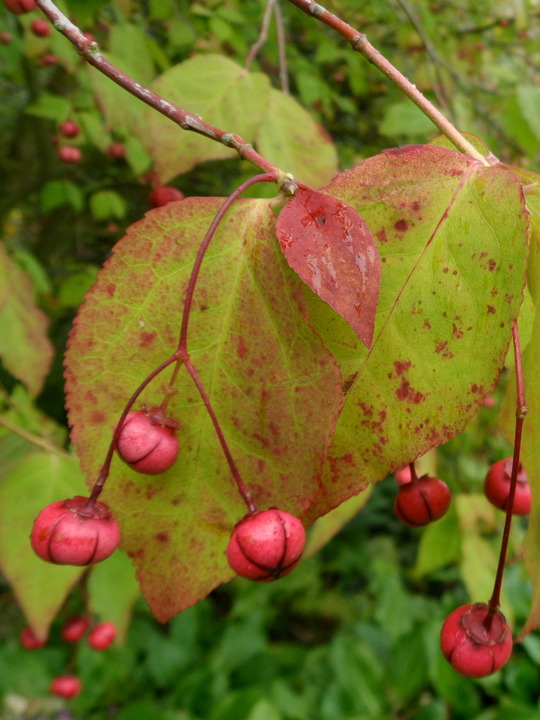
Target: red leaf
331, 249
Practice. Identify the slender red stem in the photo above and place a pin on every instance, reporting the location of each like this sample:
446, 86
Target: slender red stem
521, 412
265, 177
181, 357
106, 467
242, 489
414, 476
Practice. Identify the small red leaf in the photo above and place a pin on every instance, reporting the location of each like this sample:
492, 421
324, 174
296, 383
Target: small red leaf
331, 249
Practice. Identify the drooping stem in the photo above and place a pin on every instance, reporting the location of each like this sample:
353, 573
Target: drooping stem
359, 42
188, 301
521, 412
414, 475
106, 467
181, 349
242, 489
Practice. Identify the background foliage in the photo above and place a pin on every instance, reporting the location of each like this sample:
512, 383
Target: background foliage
353, 633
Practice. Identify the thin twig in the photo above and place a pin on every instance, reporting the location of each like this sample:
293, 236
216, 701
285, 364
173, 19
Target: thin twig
187, 121
282, 49
263, 34
360, 43
34, 439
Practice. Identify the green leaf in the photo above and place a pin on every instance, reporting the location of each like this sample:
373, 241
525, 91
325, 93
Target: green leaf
46, 478
213, 87
327, 526
405, 120
33, 267
528, 97
122, 111
25, 349
452, 239
137, 157
75, 286
129, 43
274, 388
106, 204
50, 107
113, 590
408, 666
287, 137
57, 193
440, 544
264, 710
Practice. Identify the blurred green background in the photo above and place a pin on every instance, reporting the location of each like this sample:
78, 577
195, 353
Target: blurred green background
352, 634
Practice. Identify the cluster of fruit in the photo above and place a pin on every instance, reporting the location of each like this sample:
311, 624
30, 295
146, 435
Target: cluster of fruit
100, 637
69, 152
264, 545
475, 638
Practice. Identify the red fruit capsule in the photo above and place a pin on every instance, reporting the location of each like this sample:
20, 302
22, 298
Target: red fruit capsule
66, 686
69, 128
19, 7
102, 636
72, 532
421, 501
116, 151
74, 628
69, 154
497, 487
474, 644
266, 545
40, 27
160, 196
147, 442
29, 640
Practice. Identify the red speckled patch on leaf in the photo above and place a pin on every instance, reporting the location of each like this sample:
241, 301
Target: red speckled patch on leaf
273, 385
331, 249
453, 248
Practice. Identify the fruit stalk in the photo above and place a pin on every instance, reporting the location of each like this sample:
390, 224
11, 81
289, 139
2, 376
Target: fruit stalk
242, 488
521, 413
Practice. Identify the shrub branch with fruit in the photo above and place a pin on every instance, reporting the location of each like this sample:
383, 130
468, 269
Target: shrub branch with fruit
338, 332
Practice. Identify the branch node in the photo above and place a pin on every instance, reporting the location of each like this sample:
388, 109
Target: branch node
227, 139
243, 149
287, 185
522, 412
316, 10
358, 40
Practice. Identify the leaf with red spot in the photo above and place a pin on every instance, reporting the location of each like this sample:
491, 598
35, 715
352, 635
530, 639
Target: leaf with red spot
331, 249
452, 238
275, 389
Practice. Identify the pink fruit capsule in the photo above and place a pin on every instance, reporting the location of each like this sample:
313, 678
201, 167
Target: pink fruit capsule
266, 545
